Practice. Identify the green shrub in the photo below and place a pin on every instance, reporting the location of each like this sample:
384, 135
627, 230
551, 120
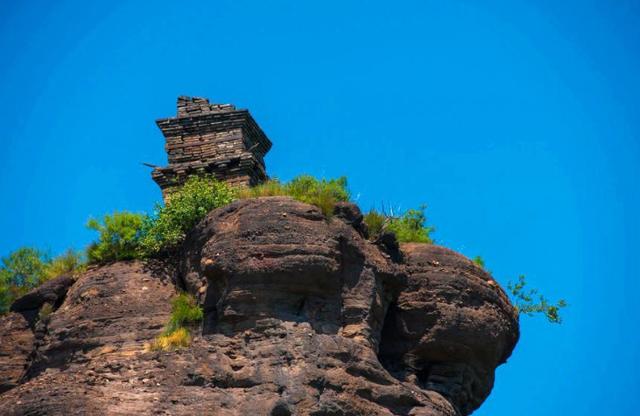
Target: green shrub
376, 222
409, 227
21, 271
184, 311
526, 303
185, 207
71, 263
119, 237
319, 192
322, 193
479, 261
27, 268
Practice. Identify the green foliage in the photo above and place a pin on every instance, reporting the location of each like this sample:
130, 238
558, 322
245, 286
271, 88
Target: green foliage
319, 192
376, 222
322, 193
185, 207
71, 263
530, 302
184, 311
272, 187
410, 227
119, 237
20, 272
27, 267
479, 261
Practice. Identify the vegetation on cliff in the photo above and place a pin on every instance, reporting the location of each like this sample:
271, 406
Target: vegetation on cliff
185, 312
27, 268
165, 229
119, 237
528, 301
126, 235
409, 227
322, 193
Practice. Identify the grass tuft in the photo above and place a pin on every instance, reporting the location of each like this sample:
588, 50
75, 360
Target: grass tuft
180, 338
184, 311
322, 193
410, 227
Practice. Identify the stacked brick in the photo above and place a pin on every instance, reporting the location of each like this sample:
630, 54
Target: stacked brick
215, 139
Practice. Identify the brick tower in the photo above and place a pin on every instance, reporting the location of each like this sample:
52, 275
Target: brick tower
212, 138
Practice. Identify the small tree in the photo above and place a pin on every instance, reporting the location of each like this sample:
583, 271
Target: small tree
530, 302
119, 237
21, 271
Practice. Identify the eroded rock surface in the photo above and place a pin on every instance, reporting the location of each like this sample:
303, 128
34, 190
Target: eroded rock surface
16, 344
303, 316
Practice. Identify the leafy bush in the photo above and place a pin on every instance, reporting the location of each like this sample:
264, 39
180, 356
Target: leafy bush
20, 272
409, 227
27, 267
71, 263
119, 237
185, 207
526, 304
322, 193
184, 311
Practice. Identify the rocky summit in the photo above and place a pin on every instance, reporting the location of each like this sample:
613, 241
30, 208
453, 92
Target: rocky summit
303, 315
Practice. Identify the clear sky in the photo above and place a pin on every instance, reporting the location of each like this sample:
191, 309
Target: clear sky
518, 123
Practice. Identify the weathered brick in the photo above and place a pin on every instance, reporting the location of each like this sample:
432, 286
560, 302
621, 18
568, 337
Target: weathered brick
212, 138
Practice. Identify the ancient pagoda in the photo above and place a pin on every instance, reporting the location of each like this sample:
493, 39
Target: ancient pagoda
215, 139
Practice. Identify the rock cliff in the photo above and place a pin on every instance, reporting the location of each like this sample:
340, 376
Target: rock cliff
302, 316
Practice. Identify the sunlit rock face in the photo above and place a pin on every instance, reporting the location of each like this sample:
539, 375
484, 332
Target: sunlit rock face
303, 316
449, 328
282, 259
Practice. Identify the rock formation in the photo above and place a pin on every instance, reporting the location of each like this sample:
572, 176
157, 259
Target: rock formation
302, 316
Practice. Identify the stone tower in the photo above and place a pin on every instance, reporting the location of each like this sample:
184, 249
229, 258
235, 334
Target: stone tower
212, 138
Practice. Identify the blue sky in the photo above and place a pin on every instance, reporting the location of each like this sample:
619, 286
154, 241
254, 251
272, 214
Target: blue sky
516, 122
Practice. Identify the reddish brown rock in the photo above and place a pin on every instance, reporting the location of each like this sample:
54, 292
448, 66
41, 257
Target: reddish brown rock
52, 292
451, 326
303, 316
16, 345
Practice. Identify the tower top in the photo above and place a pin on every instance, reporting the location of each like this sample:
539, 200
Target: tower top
192, 106
217, 139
